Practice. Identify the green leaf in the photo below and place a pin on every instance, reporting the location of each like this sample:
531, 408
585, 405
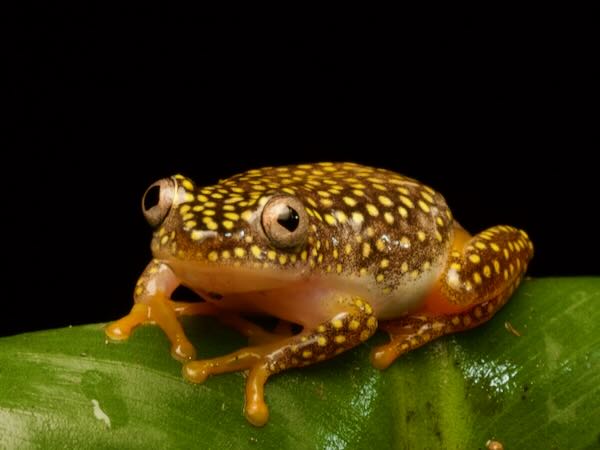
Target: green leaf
69, 388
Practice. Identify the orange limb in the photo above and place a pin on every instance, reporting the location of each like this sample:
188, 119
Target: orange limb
350, 325
481, 274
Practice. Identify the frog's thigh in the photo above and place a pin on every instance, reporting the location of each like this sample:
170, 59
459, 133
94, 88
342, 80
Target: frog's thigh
350, 325
481, 274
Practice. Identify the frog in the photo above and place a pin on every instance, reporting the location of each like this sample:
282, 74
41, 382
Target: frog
337, 249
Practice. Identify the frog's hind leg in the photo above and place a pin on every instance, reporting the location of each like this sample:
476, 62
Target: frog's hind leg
350, 324
481, 274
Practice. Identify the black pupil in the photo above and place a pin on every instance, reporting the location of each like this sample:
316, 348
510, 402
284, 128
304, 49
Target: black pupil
289, 219
152, 197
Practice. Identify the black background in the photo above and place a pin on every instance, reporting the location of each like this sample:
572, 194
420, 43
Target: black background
495, 113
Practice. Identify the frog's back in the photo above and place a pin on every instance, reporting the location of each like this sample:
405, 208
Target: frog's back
371, 227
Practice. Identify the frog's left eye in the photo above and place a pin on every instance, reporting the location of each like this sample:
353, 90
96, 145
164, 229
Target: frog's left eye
284, 221
157, 201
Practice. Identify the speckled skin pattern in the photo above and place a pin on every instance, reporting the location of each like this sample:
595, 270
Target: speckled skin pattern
366, 246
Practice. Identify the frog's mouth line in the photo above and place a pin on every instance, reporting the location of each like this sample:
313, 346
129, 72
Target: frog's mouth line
216, 281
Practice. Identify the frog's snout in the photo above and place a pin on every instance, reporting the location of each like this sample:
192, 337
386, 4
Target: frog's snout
157, 201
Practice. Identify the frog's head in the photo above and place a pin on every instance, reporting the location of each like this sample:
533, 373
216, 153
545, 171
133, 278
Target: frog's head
227, 233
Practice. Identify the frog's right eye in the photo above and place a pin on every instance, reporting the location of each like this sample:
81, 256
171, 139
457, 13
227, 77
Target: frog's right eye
157, 201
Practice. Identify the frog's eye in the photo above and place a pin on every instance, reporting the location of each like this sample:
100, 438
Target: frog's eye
285, 221
157, 201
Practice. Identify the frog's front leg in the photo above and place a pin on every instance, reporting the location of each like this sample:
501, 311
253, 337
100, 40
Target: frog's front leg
153, 305
481, 274
350, 323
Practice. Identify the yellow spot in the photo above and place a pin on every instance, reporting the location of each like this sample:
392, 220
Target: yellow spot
379, 278
371, 322
403, 190
320, 258
239, 252
228, 224
512, 268
363, 271
225, 208
440, 221
455, 254
496, 265
321, 328
372, 210
407, 201
467, 320
421, 235
271, 254
404, 242
326, 202
477, 278
256, 251
478, 313
187, 216
368, 308
414, 274
380, 245
190, 224
426, 265
282, 259
506, 254
403, 212
322, 341
338, 268
366, 249
306, 354
208, 212
455, 320
225, 254
370, 231
384, 263
487, 272
329, 219
426, 196
404, 267
389, 218
455, 266
381, 187
480, 245
311, 202
357, 218
385, 201
188, 197
438, 236
303, 255
184, 209
213, 256
348, 249
211, 225
216, 195
231, 216
349, 201
353, 325
505, 274
164, 240
364, 335
340, 339
474, 258
358, 193
424, 206
197, 235
246, 215
202, 198
510, 245
341, 216
324, 194
337, 324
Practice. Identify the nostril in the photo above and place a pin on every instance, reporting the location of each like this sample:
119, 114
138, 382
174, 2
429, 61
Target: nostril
152, 197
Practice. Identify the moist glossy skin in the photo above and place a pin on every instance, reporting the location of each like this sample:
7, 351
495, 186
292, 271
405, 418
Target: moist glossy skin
371, 232
334, 247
